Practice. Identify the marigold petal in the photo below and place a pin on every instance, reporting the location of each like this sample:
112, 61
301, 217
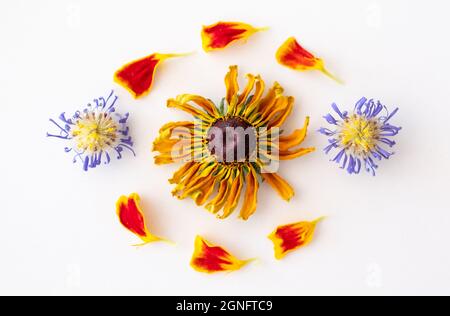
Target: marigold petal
208, 258
288, 238
279, 184
138, 76
292, 55
221, 34
266, 105
132, 218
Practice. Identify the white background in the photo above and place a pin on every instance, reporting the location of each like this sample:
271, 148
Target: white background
384, 235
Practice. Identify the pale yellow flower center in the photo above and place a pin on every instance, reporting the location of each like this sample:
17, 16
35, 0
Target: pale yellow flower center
95, 132
359, 134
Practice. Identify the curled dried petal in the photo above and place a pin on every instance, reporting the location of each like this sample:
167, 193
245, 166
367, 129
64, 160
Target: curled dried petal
288, 238
209, 258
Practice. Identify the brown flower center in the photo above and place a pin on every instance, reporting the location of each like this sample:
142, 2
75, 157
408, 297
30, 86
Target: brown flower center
231, 139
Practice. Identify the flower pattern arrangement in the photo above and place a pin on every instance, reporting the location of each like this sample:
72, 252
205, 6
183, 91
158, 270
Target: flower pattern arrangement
229, 148
361, 135
244, 127
95, 134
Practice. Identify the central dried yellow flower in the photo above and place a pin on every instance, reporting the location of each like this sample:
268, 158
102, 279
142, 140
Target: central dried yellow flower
229, 149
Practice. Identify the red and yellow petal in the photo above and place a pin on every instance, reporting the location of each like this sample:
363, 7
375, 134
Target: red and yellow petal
288, 238
221, 34
132, 217
292, 154
138, 76
208, 258
292, 55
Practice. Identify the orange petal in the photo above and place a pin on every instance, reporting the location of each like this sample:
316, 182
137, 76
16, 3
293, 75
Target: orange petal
208, 258
137, 77
222, 34
292, 55
231, 84
292, 154
290, 237
296, 138
251, 195
132, 218
279, 184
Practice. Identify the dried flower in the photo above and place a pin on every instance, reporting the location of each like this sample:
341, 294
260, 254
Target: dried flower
96, 133
361, 135
231, 148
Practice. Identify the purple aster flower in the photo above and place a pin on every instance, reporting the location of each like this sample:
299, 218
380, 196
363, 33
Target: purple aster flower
360, 138
95, 134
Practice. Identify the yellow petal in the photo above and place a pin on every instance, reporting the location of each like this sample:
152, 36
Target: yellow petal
234, 195
292, 55
251, 195
288, 155
204, 103
279, 184
231, 83
171, 103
